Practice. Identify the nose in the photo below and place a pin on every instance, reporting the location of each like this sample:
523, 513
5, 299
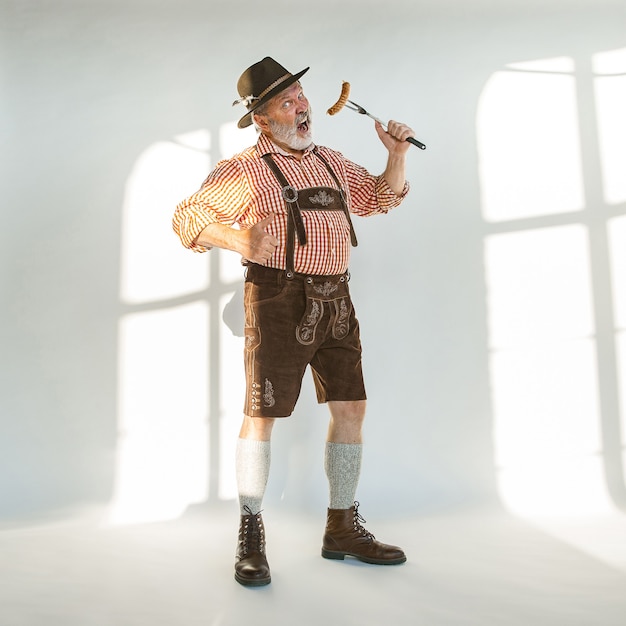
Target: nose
303, 104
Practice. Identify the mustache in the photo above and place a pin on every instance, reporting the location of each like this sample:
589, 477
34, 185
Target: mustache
303, 117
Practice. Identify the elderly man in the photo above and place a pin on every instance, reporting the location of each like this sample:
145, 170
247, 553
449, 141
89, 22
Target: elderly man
292, 203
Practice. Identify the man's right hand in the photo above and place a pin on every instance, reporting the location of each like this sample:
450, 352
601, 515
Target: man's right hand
256, 244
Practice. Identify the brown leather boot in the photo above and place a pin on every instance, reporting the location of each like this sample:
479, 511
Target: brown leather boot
345, 536
251, 568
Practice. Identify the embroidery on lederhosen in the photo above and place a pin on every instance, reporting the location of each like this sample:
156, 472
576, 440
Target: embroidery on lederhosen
268, 394
323, 198
326, 289
305, 331
252, 340
341, 325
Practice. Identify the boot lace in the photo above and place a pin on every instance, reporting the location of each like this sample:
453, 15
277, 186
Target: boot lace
252, 532
359, 520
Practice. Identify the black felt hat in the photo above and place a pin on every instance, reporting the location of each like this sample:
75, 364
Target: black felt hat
261, 82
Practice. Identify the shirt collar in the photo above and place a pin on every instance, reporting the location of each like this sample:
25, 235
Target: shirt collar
266, 146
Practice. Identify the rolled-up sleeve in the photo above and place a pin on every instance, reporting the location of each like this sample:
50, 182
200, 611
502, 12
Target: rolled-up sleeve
368, 194
387, 198
224, 195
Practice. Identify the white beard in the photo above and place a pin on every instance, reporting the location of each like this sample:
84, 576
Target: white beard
288, 134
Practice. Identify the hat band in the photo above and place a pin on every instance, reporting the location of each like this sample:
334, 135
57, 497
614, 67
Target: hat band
274, 84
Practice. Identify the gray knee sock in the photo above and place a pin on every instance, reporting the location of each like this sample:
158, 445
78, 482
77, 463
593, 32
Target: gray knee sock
342, 462
252, 464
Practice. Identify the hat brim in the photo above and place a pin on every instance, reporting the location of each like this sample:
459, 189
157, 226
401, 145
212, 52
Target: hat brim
246, 120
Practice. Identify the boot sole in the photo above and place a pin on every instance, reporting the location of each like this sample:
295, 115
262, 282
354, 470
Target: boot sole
340, 556
253, 582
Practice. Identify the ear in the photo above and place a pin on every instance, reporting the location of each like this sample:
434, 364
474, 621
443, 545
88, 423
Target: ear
260, 121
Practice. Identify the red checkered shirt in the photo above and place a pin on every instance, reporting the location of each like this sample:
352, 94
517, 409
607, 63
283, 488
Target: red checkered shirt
242, 190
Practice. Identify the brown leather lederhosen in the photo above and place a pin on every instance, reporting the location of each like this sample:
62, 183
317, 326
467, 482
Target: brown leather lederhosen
294, 320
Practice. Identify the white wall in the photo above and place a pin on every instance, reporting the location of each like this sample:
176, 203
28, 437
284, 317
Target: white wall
89, 87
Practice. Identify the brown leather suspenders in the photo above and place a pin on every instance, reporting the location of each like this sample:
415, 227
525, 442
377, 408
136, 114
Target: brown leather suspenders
295, 224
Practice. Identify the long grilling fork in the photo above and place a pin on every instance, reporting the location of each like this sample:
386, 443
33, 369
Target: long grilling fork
359, 109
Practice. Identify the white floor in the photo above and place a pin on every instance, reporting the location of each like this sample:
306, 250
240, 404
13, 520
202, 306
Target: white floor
483, 569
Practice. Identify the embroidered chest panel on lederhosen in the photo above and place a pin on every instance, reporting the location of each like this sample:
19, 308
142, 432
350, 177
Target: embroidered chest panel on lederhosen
320, 198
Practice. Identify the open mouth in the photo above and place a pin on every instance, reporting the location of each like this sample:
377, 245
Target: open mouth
303, 126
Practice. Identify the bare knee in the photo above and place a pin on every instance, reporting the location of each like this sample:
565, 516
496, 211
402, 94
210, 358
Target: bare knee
257, 428
346, 421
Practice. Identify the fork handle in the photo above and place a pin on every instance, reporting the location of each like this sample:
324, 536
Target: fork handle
412, 140
417, 143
